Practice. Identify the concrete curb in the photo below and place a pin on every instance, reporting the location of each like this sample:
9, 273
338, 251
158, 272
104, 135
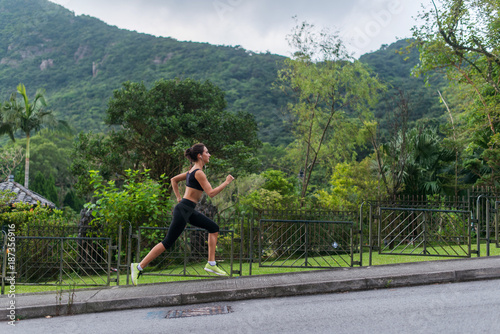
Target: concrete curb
271, 291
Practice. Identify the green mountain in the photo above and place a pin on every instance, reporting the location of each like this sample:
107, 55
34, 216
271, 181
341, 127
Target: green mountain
80, 61
394, 65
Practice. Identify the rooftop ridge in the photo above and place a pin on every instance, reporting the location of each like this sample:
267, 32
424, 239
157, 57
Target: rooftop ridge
25, 195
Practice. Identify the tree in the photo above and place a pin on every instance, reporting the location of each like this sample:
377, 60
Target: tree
151, 128
330, 89
45, 187
139, 201
424, 170
392, 156
29, 118
460, 37
273, 190
50, 155
276, 180
9, 160
455, 139
412, 160
350, 185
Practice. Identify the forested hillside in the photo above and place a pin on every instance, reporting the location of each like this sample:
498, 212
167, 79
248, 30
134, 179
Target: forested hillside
355, 129
394, 65
80, 61
88, 68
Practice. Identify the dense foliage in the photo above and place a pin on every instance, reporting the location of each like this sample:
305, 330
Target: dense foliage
10, 158
80, 61
394, 65
25, 217
28, 117
140, 200
155, 126
331, 93
140, 100
460, 39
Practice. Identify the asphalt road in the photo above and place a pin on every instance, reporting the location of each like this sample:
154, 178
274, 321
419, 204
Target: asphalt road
472, 307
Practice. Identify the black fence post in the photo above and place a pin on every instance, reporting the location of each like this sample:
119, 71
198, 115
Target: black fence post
118, 254
61, 260
370, 234
129, 250
307, 241
497, 232
250, 222
488, 227
242, 237
110, 251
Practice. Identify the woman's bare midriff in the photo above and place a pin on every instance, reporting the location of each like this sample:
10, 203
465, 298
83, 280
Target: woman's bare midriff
194, 195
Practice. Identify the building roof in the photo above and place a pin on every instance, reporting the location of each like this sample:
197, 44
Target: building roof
25, 195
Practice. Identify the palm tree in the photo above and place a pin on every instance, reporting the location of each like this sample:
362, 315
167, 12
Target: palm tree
29, 118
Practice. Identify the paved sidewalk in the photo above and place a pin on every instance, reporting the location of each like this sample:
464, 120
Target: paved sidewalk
249, 287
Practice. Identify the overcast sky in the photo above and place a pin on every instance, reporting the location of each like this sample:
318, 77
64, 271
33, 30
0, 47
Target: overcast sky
257, 25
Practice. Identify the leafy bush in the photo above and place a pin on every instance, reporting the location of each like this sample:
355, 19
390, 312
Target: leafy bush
140, 201
36, 220
276, 191
6, 198
350, 184
263, 198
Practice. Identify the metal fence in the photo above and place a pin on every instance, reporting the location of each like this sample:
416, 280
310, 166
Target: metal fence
496, 229
75, 261
305, 243
308, 224
376, 230
485, 224
424, 232
479, 203
290, 237
485, 209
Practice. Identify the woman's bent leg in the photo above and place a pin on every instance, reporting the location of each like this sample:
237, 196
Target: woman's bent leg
153, 254
174, 231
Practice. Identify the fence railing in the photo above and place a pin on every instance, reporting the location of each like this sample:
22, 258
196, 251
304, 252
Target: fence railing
75, 261
424, 232
295, 237
496, 224
307, 216
305, 243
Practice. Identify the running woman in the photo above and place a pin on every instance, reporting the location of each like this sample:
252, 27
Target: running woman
184, 212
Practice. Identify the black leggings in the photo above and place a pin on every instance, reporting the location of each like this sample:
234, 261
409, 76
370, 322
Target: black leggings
184, 212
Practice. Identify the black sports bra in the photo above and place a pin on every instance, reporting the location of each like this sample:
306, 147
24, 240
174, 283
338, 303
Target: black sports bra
192, 182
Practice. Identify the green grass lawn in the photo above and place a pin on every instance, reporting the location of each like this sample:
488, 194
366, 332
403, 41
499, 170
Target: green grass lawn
150, 277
